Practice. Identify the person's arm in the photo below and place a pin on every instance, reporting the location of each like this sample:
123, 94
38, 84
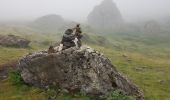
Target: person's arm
80, 30
74, 28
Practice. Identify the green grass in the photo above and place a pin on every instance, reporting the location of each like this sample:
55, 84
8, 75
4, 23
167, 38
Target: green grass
146, 71
119, 95
145, 59
9, 91
10, 54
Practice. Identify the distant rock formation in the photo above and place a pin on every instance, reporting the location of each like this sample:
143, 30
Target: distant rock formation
48, 23
13, 41
84, 70
151, 26
105, 16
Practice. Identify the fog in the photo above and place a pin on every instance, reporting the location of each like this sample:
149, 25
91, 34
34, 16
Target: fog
78, 10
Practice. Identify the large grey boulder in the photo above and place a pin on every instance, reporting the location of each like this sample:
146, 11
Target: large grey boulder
84, 70
13, 41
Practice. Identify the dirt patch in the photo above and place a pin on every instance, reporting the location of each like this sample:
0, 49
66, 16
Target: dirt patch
4, 69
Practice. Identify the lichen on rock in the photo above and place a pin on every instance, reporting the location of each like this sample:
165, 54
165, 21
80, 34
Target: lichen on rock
85, 70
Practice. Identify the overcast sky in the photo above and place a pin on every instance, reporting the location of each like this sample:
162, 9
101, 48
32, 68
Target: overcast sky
78, 10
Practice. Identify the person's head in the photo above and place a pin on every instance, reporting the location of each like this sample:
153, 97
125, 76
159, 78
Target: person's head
78, 25
69, 31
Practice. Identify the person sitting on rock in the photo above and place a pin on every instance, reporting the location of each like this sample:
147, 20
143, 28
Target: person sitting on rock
68, 39
78, 34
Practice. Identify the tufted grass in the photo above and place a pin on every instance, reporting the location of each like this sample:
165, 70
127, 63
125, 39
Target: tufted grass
9, 91
143, 59
150, 72
9, 54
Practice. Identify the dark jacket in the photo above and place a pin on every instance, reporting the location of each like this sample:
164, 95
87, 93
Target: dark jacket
67, 39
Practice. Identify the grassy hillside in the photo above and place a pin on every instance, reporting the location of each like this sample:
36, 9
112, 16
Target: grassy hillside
144, 58
151, 73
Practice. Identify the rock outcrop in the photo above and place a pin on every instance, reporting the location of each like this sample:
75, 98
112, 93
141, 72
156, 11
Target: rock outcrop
105, 16
84, 70
13, 41
151, 27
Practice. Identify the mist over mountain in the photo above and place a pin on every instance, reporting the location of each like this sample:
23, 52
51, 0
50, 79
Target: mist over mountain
78, 10
50, 22
105, 16
102, 15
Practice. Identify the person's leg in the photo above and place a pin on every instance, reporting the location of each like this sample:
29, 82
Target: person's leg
79, 43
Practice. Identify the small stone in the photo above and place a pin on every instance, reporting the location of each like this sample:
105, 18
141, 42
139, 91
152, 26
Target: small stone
162, 81
64, 91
